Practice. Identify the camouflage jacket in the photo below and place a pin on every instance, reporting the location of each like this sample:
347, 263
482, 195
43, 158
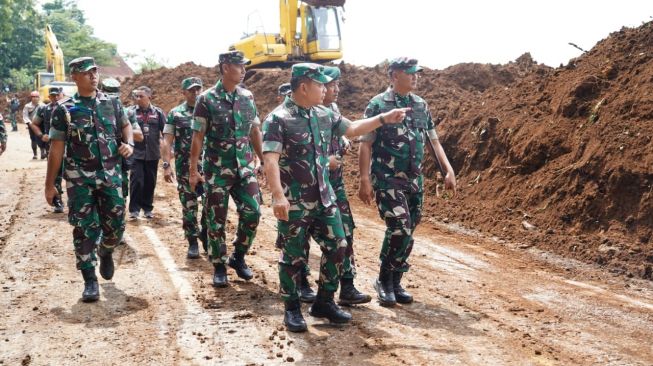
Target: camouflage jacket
89, 126
302, 137
336, 148
3, 130
398, 149
179, 124
43, 116
227, 119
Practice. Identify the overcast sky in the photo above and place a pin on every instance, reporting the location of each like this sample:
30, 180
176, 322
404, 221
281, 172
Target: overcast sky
438, 33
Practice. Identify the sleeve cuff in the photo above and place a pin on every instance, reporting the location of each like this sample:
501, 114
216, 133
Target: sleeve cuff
272, 146
57, 135
199, 124
169, 129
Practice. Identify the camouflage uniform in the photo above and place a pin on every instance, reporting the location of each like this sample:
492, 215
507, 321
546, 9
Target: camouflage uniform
29, 110
179, 124
396, 172
89, 126
111, 87
228, 165
302, 137
14, 105
3, 131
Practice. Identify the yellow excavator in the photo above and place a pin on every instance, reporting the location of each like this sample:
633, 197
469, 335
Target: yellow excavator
309, 31
55, 74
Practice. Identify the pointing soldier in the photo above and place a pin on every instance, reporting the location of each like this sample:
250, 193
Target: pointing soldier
295, 143
84, 129
395, 154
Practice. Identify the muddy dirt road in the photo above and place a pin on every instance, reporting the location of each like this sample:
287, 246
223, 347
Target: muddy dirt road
478, 301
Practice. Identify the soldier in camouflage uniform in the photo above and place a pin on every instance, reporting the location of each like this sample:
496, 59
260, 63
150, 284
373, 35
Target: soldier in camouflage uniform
178, 129
396, 153
111, 88
296, 136
84, 129
14, 106
283, 91
226, 114
338, 147
40, 127
3, 135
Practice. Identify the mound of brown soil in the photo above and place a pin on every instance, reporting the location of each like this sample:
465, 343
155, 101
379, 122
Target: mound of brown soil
567, 150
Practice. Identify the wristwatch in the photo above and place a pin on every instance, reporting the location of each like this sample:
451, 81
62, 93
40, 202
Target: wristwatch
166, 165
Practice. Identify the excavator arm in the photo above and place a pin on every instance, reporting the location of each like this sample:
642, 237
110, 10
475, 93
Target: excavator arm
54, 55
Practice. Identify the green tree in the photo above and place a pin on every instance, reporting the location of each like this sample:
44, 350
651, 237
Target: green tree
20, 38
74, 35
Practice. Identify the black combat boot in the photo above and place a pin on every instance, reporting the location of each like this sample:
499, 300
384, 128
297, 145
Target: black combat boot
220, 275
193, 249
306, 293
106, 262
58, 204
204, 239
402, 296
293, 318
325, 307
237, 262
349, 295
91, 289
385, 288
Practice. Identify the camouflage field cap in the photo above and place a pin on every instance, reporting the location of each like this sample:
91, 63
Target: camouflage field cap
54, 90
312, 71
191, 82
284, 89
234, 57
405, 64
82, 64
332, 72
110, 85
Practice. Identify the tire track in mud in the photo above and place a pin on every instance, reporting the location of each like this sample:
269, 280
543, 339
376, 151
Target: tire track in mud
18, 207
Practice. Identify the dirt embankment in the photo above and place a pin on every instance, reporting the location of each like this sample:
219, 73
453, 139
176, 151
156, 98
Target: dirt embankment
567, 150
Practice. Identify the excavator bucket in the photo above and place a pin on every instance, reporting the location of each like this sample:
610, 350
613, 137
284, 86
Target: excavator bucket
325, 2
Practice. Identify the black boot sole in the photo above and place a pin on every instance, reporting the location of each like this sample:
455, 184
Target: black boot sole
308, 300
382, 301
325, 316
239, 273
221, 284
90, 298
404, 300
349, 302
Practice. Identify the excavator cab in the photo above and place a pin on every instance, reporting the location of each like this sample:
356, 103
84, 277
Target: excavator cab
54, 63
309, 31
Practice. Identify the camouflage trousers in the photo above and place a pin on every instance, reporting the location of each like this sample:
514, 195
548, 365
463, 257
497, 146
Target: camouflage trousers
96, 211
348, 264
324, 225
189, 206
12, 119
402, 211
247, 196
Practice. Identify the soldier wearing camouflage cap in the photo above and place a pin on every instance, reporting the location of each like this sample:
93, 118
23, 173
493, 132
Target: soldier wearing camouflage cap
178, 130
111, 88
40, 127
283, 91
296, 136
226, 114
83, 129
395, 154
